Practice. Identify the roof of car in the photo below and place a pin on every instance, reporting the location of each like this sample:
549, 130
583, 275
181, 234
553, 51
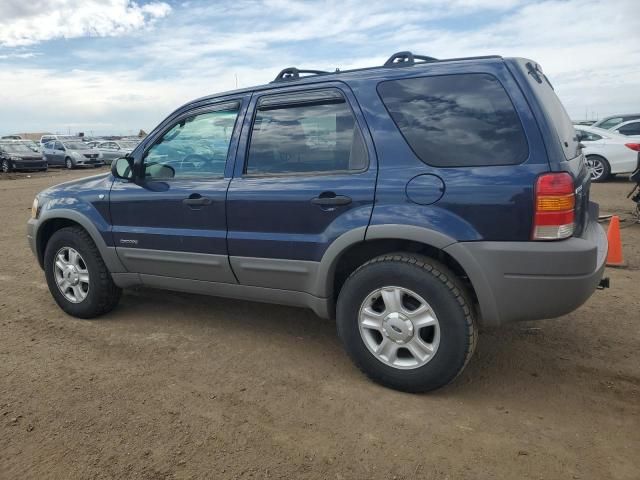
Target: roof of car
294, 76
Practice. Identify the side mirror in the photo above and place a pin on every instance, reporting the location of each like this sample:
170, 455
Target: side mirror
122, 168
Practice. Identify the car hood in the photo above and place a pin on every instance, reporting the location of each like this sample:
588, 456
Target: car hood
89, 151
99, 183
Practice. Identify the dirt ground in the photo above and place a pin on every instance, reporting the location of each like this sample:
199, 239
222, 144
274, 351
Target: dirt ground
172, 385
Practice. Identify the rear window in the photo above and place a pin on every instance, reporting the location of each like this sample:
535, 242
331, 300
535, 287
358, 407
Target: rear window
550, 102
456, 120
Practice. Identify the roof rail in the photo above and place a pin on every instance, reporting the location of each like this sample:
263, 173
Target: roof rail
404, 59
292, 73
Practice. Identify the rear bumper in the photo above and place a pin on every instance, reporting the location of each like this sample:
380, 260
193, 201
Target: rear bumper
517, 281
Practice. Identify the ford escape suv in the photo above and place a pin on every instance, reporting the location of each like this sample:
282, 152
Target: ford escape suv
412, 201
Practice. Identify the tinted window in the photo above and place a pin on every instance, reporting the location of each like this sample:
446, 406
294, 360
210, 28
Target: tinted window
456, 120
304, 136
630, 129
195, 147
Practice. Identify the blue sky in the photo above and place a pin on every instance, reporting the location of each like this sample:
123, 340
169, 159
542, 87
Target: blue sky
115, 66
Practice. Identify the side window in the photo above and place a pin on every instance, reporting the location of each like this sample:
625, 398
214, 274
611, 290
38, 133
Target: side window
588, 136
58, 146
299, 134
456, 120
630, 129
195, 147
612, 122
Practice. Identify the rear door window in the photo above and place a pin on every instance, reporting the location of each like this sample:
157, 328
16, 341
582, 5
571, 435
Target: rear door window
630, 129
456, 120
305, 133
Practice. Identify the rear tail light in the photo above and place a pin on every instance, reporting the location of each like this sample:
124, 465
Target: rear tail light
555, 203
633, 146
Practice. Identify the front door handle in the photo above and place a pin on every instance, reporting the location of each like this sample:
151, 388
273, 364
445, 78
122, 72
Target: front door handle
196, 200
330, 199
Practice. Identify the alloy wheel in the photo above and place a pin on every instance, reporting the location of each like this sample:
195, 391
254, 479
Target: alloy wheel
399, 327
71, 274
596, 167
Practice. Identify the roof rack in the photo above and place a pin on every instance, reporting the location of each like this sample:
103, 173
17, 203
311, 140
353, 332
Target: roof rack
292, 73
404, 59
399, 59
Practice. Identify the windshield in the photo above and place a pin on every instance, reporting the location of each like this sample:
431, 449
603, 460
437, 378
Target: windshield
75, 145
15, 148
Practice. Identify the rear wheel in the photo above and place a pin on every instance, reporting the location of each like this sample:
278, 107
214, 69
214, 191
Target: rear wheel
69, 163
6, 166
76, 275
406, 322
599, 168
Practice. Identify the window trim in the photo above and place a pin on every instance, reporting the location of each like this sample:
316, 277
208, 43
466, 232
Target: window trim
200, 110
312, 101
522, 127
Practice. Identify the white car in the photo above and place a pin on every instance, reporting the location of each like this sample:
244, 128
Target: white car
628, 129
614, 120
608, 152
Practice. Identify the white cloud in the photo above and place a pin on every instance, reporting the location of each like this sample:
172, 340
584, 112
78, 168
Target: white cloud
589, 50
41, 20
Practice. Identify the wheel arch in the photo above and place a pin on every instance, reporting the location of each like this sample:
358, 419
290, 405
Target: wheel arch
353, 249
63, 218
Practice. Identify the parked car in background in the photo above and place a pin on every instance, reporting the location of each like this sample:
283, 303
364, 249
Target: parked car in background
584, 122
15, 155
412, 201
113, 149
628, 129
71, 154
12, 137
47, 138
35, 146
613, 120
607, 153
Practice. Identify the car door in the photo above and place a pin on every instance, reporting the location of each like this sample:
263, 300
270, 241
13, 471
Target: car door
305, 174
172, 223
58, 152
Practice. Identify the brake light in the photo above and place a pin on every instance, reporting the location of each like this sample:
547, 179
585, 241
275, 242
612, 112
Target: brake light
555, 203
633, 146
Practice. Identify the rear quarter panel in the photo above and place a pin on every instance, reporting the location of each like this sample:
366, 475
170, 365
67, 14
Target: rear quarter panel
478, 203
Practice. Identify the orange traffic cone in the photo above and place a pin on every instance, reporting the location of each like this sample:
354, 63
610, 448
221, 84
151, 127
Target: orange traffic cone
614, 257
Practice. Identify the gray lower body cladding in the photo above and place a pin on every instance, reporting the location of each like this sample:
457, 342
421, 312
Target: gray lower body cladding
517, 281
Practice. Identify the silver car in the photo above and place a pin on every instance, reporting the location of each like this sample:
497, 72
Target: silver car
113, 149
71, 154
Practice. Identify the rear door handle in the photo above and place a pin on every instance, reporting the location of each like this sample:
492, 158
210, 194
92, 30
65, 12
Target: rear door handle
330, 199
196, 200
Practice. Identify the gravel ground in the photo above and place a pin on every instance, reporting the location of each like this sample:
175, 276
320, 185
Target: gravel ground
172, 385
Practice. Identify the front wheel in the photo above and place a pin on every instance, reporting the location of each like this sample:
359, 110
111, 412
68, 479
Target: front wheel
406, 322
599, 168
77, 277
6, 166
69, 163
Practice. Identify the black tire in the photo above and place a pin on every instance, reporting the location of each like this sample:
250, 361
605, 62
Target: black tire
436, 284
68, 163
606, 168
103, 295
6, 166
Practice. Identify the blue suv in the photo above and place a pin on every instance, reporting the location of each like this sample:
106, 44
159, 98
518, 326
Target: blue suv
411, 202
